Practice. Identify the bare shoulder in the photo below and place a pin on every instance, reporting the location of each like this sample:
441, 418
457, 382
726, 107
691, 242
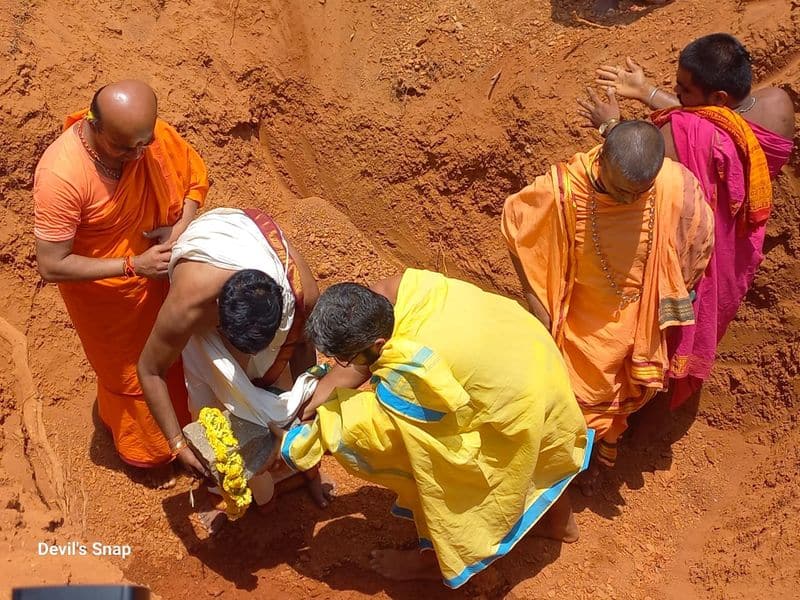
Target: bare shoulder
774, 95
669, 143
776, 111
195, 283
388, 287
307, 279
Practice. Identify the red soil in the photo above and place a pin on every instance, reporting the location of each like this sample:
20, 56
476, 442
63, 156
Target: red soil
383, 109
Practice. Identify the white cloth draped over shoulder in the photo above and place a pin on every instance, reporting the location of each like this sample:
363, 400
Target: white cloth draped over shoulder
228, 239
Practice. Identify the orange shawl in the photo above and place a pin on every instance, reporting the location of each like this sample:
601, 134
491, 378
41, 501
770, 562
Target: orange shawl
539, 224
114, 316
759, 203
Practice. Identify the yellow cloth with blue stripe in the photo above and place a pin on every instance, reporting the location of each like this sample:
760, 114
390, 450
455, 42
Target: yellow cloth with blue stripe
472, 422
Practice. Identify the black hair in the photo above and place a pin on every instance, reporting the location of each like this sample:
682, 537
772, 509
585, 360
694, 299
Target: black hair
719, 62
250, 310
636, 148
348, 318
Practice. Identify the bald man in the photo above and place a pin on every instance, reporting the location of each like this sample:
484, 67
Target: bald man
608, 247
111, 195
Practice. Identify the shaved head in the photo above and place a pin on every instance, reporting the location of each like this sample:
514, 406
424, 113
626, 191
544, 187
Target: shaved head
124, 118
636, 150
127, 108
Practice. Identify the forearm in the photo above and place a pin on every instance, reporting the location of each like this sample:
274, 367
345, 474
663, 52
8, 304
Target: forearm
74, 267
655, 98
537, 309
156, 394
535, 306
187, 216
340, 377
303, 358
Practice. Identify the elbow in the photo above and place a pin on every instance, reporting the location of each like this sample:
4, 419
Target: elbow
47, 274
146, 370
142, 372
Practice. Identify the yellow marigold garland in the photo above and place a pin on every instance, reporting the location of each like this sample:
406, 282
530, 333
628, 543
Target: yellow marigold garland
229, 462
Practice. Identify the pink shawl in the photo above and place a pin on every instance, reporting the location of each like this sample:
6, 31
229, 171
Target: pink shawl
710, 154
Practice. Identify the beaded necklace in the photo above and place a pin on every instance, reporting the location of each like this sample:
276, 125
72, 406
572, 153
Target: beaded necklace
114, 174
610, 275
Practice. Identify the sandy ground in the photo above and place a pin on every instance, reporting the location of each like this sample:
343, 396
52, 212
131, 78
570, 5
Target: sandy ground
385, 111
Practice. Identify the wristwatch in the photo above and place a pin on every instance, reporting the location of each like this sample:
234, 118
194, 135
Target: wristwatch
607, 125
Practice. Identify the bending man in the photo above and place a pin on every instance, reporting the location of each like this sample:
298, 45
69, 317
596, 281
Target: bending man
470, 420
235, 311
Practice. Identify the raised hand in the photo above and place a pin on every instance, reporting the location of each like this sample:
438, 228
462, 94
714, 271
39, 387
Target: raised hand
597, 111
628, 82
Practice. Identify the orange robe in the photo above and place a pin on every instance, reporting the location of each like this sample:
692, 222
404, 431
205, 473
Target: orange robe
113, 317
616, 354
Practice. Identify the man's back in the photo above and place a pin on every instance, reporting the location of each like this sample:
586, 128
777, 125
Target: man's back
772, 110
488, 341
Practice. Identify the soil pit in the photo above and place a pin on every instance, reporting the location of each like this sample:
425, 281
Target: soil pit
384, 119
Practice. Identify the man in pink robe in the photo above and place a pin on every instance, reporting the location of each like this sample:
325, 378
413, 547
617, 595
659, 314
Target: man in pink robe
734, 141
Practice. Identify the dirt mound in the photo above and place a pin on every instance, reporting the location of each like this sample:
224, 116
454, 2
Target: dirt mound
413, 121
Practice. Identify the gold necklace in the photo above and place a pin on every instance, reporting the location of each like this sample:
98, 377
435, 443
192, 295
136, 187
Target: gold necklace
112, 173
610, 275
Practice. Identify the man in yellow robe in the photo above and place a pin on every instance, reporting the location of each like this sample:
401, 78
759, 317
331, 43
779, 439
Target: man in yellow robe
470, 420
608, 246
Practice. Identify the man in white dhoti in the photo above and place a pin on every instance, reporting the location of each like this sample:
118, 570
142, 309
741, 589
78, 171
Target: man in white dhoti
235, 313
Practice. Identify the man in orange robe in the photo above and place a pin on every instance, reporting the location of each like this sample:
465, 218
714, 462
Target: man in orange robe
608, 246
111, 194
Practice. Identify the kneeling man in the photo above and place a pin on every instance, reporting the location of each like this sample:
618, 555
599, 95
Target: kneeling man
471, 419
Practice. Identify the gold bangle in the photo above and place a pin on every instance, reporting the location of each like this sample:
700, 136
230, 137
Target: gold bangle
177, 443
607, 126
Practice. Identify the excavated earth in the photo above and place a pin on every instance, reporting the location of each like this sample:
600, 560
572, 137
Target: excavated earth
373, 133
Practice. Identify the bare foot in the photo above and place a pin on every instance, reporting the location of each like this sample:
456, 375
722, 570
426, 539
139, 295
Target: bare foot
589, 481
558, 523
212, 520
159, 478
209, 521
402, 565
320, 487
602, 7
167, 480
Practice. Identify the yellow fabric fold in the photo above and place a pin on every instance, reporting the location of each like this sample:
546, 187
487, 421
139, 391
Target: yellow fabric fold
471, 421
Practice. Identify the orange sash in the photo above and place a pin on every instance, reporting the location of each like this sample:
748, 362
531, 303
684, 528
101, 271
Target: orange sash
616, 356
759, 189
